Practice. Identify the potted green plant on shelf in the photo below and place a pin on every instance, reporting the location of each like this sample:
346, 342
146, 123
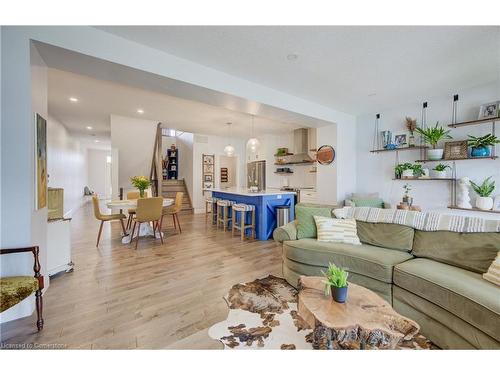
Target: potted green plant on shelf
432, 136
440, 170
481, 146
484, 201
141, 183
403, 170
336, 283
417, 170
406, 197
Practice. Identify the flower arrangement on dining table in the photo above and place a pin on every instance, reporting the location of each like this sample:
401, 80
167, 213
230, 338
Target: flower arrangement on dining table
141, 183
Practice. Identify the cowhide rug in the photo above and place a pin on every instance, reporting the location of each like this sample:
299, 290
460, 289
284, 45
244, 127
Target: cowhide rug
263, 315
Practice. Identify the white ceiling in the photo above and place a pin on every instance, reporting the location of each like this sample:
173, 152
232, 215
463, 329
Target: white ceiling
354, 69
98, 99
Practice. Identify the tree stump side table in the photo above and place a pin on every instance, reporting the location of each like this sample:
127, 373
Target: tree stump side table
364, 321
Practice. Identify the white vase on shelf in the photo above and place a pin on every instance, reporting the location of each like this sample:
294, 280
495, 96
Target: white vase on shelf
484, 203
463, 198
435, 153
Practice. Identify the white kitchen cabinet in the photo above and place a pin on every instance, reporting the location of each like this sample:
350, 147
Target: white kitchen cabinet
308, 196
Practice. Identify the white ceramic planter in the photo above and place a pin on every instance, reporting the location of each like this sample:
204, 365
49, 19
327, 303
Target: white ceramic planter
439, 174
435, 153
407, 173
484, 203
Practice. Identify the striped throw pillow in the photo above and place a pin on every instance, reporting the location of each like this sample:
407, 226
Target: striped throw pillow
493, 273
337, 230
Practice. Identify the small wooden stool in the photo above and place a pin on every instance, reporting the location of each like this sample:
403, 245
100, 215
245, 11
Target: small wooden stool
243, 209
224, 213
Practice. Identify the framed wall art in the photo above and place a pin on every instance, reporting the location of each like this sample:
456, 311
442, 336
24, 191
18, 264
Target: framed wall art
455, 150
41, 161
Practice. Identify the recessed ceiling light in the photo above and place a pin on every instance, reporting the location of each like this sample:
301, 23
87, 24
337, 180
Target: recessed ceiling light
373, 94
73, 99
89, 127
96, 141
292, 57
140, 111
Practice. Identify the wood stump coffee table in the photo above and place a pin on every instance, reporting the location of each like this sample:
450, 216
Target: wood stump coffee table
364, 321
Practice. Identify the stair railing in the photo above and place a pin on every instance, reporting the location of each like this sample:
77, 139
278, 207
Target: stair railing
155, 174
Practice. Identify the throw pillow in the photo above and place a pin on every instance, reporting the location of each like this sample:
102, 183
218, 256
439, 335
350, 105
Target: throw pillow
493, 273
337, 230
304, 213
368, 202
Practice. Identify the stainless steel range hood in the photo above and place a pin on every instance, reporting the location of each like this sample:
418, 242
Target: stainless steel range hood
301, 146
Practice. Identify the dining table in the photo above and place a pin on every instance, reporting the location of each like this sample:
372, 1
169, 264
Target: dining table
131, 204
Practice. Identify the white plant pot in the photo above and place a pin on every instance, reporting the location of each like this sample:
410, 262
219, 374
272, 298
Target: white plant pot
407, 173
439, 174
484, 203
435, 153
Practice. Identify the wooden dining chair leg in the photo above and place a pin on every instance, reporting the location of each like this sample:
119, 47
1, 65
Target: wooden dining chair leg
242, 224
178, 223
132, 233
39, 309
138, 231
158, 224
129, 221
123, 227
99, 234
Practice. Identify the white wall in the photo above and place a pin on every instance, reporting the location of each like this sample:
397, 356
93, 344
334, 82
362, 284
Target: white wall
67, 164
375, 171
97, 171
134, 139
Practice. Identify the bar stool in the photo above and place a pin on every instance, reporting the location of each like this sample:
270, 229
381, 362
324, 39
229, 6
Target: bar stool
212, 203
243, 209
224, 213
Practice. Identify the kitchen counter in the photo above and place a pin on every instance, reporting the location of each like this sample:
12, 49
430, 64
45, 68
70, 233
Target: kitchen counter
246, 192
265, 203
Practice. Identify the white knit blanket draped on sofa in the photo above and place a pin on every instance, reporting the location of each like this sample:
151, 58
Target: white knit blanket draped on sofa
426, 221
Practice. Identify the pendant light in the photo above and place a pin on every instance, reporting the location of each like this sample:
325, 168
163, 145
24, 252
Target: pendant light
229, 149
253, 144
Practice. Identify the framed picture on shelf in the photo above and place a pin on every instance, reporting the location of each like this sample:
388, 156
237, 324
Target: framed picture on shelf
208, 178
489, 110
401, 140
455, 150
208, 168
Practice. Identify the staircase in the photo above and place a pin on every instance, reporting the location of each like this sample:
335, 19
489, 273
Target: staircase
171, 187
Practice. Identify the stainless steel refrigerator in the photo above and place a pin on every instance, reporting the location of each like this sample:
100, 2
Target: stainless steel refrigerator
256, 174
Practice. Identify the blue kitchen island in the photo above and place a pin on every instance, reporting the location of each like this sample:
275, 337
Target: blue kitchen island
265, 203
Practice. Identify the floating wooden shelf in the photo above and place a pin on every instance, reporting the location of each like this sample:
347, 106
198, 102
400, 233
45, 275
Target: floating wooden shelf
424, 179
281, 156
283, 172
473, 209
400, 149
474, 122
298, 163
441, 160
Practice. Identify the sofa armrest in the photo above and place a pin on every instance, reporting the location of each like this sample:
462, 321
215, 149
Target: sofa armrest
287, 232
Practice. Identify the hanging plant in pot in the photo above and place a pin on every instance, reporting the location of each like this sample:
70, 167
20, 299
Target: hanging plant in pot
432, 136
440, 170
336, 283
404, 170
481, 146
484, 201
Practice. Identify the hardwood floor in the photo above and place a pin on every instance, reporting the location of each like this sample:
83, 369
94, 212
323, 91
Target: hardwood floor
155, 297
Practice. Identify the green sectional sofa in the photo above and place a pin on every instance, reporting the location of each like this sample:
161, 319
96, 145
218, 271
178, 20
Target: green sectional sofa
433, 277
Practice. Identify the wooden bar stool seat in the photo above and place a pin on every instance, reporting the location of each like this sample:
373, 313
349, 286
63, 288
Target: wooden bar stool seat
243, 210
224, 216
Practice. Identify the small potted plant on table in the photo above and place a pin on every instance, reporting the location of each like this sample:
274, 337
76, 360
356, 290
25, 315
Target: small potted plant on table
336, 283
481, 146
440, 170
484, 201
432, 136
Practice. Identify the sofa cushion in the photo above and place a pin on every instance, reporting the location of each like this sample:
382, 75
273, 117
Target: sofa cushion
463, 293
367, 260
493, 273
304, 213
391, 236
14, 289
471, 251
368, 202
